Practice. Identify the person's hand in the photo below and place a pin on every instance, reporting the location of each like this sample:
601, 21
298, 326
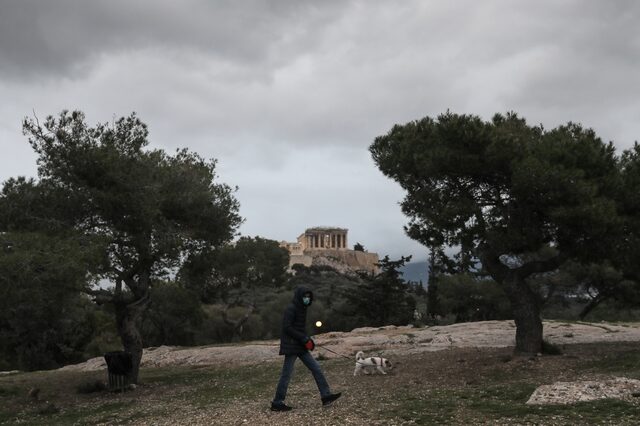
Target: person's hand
309, 344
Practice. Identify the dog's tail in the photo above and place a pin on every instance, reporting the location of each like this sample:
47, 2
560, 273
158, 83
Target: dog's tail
359, 356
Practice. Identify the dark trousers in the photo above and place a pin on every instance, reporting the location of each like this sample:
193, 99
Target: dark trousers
287, 371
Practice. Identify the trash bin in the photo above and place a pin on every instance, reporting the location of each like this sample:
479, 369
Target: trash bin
119, 366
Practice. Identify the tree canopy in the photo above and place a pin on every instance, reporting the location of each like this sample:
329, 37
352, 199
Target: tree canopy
515, 198
145, 209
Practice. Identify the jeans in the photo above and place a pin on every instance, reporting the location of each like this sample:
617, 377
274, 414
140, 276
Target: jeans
287, 371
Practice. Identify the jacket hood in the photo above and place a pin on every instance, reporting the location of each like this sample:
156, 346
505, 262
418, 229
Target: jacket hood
297, 296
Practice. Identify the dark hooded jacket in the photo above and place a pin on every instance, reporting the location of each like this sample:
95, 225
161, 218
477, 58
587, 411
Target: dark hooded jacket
294, 335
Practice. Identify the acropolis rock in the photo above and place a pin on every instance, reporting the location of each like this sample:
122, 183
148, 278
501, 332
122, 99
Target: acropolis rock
329, 246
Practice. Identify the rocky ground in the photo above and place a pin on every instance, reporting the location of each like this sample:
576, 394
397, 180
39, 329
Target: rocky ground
462, 374
385, 341
391, 341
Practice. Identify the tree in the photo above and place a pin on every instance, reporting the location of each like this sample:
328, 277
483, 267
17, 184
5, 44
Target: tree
383, 299
472, 299
145, 209
433, 300
627, 255
234, 273
45, 321
616, 277
520, 199
173, 317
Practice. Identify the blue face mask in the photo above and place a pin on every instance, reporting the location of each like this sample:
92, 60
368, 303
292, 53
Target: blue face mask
306, 300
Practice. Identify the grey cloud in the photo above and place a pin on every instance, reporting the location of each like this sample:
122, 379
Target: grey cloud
332, 72
64, 37
288, 95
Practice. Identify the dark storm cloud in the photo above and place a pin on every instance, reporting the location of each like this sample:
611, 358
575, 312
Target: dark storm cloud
588, 69
49, 38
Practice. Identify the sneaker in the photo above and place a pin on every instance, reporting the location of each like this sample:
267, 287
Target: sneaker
280, 407
328, 400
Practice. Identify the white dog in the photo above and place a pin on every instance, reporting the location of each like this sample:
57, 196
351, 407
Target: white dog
371, 364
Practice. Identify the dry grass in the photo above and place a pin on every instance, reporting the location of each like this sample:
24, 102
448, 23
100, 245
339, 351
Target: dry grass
457, 386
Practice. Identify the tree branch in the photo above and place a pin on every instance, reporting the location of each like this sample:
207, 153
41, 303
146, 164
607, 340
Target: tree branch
541, 266
100, 296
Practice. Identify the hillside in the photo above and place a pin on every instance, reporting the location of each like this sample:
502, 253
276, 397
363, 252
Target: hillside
462, 374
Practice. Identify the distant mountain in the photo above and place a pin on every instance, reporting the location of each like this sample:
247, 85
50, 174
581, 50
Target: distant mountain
416, 272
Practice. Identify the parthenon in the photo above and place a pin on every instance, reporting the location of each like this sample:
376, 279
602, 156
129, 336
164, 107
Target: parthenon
324, 238
322, 245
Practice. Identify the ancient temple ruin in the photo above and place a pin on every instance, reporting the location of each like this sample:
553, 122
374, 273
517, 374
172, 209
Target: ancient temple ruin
329, 246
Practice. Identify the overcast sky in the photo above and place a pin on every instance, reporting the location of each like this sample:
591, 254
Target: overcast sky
288, 95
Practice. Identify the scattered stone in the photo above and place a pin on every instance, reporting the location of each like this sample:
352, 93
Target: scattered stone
572, 392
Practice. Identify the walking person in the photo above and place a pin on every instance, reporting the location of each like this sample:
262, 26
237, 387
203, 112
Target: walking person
294, 343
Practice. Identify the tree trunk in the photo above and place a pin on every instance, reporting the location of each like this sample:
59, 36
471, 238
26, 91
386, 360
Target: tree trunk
128, 320
526, 313
590, 306
239, 323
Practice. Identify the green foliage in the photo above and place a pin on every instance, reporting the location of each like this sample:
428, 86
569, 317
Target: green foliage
472, 299
105, 337
236, 270
174, 315
45, 321
500, 183
383, 299
505, 193
145, 211
145, 205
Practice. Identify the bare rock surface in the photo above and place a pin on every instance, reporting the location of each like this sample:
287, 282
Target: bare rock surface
387, 340
587, 390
